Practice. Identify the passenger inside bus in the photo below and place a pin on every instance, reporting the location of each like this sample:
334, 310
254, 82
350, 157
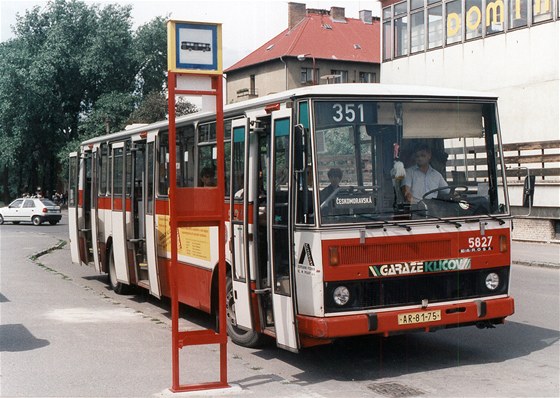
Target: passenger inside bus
207, 177
335, 176
422, 177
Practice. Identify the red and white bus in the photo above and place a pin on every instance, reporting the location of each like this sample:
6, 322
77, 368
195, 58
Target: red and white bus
308, 263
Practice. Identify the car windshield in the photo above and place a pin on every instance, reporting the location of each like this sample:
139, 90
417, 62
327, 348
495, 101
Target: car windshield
379, 161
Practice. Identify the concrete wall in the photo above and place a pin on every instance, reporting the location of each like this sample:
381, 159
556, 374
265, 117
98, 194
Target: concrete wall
521, 67
269, 78
537, 230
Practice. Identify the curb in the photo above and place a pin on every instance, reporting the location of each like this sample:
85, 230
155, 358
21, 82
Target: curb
536, 264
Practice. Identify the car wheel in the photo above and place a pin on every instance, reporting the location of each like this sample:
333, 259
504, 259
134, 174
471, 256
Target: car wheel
245, 338
36, 220
1, 219
118, 287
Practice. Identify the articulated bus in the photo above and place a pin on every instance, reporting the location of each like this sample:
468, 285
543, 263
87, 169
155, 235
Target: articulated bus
324, 239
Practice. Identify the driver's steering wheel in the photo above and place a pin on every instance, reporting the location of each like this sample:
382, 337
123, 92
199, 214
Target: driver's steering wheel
452, 188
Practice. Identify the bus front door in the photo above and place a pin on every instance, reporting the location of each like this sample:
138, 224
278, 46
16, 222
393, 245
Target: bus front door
280, 241
242, 256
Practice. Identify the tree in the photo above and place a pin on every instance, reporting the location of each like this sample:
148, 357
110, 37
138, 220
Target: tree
154, 108
71, 72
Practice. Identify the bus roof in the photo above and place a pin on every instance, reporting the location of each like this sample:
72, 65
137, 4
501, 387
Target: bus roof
324, 90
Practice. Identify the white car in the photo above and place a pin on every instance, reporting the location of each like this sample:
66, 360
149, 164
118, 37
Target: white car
35, 210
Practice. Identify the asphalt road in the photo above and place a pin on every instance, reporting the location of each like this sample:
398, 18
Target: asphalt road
64, 334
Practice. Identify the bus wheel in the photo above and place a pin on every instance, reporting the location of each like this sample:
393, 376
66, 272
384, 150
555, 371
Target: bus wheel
118, 287
245, 338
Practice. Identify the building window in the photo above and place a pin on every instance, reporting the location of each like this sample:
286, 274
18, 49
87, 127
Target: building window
368, 77
401, 44
495, 14
517, 13
435, 27
339, 76
252, 84
387, 40
400, 30
542, 10
473, 19
417, 32
307, 75
415, 4
453, 17
413, 26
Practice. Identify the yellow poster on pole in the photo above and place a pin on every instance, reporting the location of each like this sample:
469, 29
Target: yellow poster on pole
194, 242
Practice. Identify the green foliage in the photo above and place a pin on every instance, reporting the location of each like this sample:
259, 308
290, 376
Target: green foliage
154, 108
72, 71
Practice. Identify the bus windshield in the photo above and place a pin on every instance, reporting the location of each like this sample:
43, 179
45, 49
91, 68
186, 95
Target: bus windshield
380, 161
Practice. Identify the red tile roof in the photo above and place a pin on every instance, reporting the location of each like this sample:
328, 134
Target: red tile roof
318, 36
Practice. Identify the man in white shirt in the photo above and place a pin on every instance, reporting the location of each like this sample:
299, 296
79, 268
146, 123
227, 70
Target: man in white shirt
422, 178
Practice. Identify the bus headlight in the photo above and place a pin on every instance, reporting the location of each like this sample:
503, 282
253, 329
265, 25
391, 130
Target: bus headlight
492, 281
341, 295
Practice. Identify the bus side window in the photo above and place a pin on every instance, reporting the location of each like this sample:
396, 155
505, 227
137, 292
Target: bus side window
304, 185
103, 166
163, 164
207, 155
185, 157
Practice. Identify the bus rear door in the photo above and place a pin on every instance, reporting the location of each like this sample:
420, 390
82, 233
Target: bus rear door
150, 213
79, 206
94, 220
73, 206
280, 238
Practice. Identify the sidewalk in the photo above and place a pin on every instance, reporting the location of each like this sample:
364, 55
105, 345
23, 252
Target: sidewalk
535, 254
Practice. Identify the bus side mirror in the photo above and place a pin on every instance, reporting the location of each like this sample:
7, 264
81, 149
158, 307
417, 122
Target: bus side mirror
528, 191
299, 154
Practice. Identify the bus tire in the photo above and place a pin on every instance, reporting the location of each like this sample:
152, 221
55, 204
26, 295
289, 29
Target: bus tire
118, 287
245, 338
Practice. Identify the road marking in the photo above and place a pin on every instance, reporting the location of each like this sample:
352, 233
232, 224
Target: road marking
89, 315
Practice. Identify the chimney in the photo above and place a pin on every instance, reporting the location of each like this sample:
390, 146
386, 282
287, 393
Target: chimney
337, 14
296, 13
366, 16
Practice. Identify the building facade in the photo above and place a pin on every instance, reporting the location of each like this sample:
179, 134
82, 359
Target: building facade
318, 47
508, 47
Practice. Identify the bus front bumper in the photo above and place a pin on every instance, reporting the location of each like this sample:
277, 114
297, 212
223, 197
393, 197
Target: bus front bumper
480, 312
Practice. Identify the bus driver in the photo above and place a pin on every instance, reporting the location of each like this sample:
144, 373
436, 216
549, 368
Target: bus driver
422, 177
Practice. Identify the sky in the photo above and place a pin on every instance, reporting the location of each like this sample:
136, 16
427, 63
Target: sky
246, 25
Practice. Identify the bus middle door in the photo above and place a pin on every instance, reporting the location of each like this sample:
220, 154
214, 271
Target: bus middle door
280, 237
118, 219
241, 275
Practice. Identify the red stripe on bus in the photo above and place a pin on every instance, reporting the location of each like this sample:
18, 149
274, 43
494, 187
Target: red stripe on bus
354, 257
194, 284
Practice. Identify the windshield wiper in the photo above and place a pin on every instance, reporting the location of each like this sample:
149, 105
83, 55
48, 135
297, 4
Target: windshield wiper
385, 223
499, 220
